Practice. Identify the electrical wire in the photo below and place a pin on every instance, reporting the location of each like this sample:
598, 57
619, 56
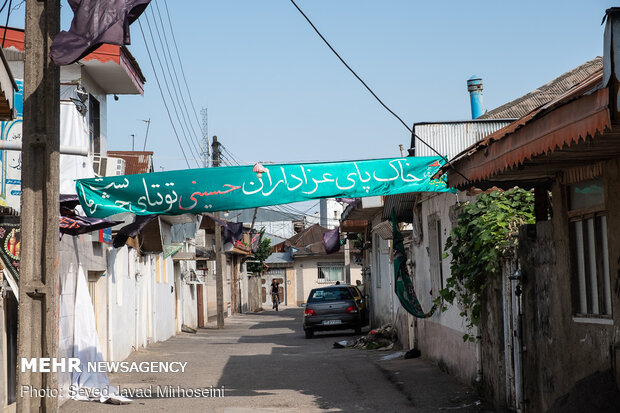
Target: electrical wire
175, 88
373, 93
6, 25
174, 41
180, 95
224, 159
3, 6
162, 94
174, 106
281, 209
167, 74
234, 158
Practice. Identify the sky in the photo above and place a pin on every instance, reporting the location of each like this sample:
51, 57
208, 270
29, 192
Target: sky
275, 93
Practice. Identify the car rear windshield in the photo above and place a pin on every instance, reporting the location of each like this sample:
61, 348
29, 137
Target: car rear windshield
325, 294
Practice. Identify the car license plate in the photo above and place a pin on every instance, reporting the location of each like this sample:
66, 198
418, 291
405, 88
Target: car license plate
331, 322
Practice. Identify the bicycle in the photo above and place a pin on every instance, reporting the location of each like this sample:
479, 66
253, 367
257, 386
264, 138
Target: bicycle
275, 299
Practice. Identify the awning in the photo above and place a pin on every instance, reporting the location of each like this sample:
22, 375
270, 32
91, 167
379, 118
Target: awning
573, 130
171, 250
8, 87
188, 256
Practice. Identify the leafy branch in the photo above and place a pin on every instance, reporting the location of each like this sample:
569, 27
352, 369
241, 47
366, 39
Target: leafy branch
260, 255
485, 233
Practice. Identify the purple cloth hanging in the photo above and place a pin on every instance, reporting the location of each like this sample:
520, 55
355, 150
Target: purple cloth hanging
331, 240
255, 239
233, 231
94, 23
76, 225
350, 201
131, 230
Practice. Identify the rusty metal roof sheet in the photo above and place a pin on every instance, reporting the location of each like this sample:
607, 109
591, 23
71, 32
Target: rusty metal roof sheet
546, 93
307, 237
580, 113
136, 162
402, 205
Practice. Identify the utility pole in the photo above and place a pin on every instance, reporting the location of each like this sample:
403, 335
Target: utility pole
220, 259
37, 334
204, 150
347, 262
254, 219
146, 136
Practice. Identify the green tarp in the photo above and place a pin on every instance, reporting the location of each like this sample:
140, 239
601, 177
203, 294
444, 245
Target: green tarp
403, 285
237, 187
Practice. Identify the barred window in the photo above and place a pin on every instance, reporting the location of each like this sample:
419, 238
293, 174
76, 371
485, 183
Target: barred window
330, 272
588, 233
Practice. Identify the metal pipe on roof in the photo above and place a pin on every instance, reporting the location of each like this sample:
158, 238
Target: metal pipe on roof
474, 86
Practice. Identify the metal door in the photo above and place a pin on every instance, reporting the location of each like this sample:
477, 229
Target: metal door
278, 274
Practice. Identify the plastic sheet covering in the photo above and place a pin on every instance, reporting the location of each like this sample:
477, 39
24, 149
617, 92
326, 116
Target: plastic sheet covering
86, 348
73, 132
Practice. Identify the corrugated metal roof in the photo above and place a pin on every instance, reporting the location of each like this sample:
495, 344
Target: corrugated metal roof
136, 162
384, 229
450, 138
279, 258
307, 237
402, 205
546, 93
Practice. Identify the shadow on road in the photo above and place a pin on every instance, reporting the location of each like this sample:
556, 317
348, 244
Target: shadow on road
307, 366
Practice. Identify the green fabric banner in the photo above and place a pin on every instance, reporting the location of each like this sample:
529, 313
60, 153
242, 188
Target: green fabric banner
403, 286
237, 187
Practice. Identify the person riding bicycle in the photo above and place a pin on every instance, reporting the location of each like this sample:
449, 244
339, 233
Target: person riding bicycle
275, 293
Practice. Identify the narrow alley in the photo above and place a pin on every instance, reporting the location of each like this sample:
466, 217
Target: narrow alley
265, 364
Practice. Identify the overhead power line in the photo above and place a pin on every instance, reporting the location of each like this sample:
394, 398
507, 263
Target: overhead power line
162, 94
161, 30
176, 47
234, 158
6, 25
166, 83
372, 92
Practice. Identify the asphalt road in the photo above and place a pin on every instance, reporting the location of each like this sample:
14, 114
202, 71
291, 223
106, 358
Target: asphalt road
264, 363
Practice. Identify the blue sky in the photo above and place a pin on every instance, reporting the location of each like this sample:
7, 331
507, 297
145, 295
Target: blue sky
275, 92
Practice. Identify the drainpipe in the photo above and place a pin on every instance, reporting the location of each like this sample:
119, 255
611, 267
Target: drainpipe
478, 379
136, 301
474, 86
110, 262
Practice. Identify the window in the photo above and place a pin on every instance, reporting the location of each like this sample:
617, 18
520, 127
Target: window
330, 273
588, 233
329, 294
94, 124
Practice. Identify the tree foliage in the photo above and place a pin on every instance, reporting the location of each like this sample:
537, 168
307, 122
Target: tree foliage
260, 255
485, 232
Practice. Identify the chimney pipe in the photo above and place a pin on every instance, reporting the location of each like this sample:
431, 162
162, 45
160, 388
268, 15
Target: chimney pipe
474, 86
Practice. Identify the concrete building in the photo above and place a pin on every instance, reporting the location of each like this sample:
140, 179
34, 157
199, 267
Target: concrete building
84, 87
277, 224
561, 306
427, 220
304, 265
